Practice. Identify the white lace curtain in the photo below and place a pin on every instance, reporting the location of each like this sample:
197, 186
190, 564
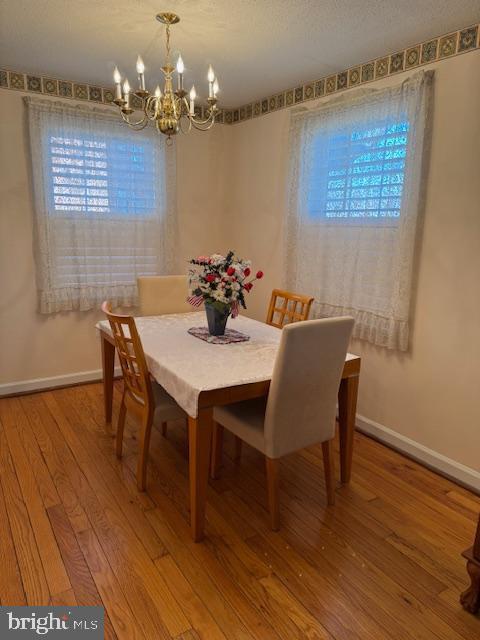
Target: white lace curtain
104, 200
355, 192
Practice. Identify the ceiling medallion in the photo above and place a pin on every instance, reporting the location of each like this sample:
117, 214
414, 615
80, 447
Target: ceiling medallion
170, 111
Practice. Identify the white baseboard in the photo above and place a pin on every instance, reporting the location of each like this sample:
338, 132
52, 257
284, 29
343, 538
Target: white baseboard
456, 471
25, 386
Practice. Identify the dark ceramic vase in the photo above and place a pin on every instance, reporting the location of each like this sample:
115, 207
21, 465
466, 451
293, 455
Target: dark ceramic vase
217, 319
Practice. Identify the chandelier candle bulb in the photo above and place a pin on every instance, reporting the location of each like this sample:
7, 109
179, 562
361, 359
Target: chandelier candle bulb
117, 78
141, 73
126, 93
211, 78
180, 70
215, 88
158, 92
193, 95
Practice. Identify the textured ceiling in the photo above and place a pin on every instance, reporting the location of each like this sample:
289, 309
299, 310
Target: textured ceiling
257, 47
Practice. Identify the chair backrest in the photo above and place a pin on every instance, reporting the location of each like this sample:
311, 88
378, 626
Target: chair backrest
136, 377
303, 393
287, 307
159, 295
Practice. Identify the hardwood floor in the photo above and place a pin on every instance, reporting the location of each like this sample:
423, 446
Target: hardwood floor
384, 563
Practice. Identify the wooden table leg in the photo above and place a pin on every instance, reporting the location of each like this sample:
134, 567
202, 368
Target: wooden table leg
347, 409
200, 444
470, 598
108, 363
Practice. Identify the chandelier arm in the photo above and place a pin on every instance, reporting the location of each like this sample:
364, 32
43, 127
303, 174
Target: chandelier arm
203, 126
207, 121
150, 108
142, 122
181, 121
138, 127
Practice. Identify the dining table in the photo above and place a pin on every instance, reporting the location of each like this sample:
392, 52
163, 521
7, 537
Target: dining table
200, 375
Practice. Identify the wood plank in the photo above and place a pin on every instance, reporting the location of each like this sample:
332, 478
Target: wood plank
28, 557
40, 421
116, 606
65, 599
45, 484
197, 613
13, 418
188, 635
309, 627
11, 588
83, 586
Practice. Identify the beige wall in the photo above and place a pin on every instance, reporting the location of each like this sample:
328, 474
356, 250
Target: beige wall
39, 346
231, 186
431, 394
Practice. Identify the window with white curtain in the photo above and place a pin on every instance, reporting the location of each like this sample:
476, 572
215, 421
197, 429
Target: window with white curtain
104, 205
355, 194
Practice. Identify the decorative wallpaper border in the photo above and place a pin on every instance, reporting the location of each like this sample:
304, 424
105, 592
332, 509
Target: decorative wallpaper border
49, 86
439, 48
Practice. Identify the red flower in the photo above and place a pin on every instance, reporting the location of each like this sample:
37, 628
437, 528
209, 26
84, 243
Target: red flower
230, 271
247, 272
210, 278
248, 286
259, 274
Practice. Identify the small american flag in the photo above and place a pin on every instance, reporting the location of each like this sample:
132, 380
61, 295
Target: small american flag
195, 301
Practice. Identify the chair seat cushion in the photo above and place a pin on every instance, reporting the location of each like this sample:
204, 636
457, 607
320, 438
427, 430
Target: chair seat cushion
165, 406
245, 420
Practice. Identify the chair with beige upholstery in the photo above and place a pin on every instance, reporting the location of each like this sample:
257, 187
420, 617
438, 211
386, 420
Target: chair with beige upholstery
301, 405
285, 307
141, 395
159, 295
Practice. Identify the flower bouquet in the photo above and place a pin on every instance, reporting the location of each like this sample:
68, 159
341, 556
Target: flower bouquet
220, 282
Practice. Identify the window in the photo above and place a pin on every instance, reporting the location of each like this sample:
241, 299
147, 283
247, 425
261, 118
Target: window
104, 205
355, 196
359, 175
101, 176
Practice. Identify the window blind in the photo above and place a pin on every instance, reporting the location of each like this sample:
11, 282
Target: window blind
358, 174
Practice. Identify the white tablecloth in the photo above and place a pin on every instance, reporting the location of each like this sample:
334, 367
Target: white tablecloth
185, 365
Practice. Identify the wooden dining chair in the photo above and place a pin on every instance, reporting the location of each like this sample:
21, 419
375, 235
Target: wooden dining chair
141, 395
159, 295
286, 307
301, 405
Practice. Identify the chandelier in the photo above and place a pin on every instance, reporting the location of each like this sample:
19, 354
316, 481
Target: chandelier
170, 111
